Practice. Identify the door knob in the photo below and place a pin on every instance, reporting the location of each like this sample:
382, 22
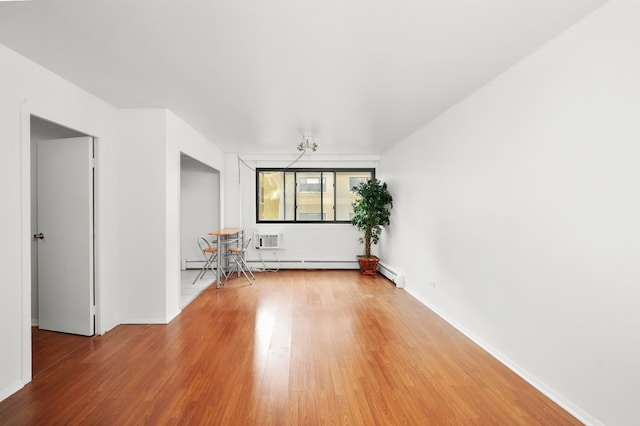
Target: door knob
39, 236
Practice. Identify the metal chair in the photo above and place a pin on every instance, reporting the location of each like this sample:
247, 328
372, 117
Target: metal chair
210, 255
237, 255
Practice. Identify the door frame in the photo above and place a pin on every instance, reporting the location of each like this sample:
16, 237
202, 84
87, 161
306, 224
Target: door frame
26, 111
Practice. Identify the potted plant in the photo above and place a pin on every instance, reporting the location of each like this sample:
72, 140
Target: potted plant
371, 211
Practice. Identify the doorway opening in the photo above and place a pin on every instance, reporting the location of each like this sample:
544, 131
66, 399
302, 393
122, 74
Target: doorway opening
62, 247
199, 214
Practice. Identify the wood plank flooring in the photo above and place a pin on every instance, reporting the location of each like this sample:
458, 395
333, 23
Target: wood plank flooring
295, 348
49, 348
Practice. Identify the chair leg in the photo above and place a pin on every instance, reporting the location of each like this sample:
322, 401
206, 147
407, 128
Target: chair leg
246, 267
239, 261
200, 274
225, 275
241, 269
208, 265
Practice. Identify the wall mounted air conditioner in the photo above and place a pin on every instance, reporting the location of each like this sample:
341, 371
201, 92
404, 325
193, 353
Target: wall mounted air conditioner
267, 240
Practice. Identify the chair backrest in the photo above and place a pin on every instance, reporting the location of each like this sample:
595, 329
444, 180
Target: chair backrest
246, 244
240, 249
203, 243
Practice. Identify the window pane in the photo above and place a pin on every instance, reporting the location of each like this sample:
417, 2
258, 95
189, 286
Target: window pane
289, 191
344, 197
327, 195
309, 202
271, 198
311, 216
311, 184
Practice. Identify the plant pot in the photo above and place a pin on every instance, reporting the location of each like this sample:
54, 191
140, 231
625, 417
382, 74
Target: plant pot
368, 265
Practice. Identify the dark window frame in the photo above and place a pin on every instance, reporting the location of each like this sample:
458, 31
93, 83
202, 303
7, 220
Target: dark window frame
295, 201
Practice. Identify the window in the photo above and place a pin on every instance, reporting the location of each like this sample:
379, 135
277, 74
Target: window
312, 216
312, 184
307, 195
356, 180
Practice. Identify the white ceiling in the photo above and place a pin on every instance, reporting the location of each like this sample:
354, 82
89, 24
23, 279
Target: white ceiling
255, 75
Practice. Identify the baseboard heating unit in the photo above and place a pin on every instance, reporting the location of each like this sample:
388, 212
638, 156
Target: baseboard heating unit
395, 277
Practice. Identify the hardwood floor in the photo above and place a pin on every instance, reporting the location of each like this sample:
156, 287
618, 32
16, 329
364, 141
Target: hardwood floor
295, 348
49, 348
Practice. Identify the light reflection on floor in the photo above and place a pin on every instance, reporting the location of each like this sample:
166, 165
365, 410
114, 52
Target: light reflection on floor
265, 321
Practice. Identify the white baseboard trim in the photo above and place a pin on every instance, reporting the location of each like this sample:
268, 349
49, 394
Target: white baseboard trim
550, 393
172, 315
7, 391
108, 327
256, 264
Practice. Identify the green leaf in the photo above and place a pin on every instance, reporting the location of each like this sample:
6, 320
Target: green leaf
371, 210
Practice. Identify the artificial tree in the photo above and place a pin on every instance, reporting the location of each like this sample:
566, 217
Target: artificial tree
371, 212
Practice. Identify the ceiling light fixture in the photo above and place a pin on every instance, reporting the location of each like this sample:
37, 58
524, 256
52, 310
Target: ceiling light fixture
308, 143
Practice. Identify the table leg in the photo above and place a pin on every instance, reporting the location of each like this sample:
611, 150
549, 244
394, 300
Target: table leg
219, 265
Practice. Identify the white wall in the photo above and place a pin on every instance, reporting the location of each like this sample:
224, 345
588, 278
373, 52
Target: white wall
199, 208
516, 216
143, 216
30, 89
318, 245
150, 190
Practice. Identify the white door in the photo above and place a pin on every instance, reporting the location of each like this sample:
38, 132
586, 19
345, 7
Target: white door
65, 235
